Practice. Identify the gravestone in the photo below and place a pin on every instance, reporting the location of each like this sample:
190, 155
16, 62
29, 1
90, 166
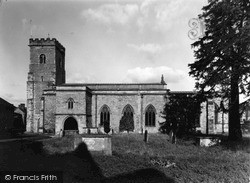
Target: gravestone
96, 143
207, 141
146, 136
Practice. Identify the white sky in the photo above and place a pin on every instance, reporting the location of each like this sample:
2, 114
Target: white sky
106, 41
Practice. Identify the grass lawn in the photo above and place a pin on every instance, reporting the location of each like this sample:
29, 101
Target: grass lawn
184, 162
227, 163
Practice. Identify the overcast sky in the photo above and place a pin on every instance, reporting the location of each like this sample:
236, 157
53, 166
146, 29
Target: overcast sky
106, 41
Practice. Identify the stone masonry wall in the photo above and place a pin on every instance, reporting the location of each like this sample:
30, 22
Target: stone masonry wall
117, 102
49, 112
158, 101
60, 67
217, 120
78, 111
42, 76
89, 109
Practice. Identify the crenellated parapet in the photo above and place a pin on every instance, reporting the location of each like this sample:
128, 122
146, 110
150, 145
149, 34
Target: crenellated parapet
46, 42
46, 69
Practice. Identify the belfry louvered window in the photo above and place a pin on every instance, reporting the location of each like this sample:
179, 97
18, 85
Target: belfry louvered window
42, 59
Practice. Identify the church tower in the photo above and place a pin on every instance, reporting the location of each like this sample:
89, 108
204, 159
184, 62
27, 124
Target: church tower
46, 70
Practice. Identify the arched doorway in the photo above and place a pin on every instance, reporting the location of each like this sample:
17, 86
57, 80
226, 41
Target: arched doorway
70, 126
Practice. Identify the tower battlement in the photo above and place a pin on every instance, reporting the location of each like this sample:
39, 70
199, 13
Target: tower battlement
47, 68
46, 42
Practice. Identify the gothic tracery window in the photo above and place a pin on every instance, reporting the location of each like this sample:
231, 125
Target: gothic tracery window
42, 59
127, 120
150, 116
70, 103
104, 115
128, 111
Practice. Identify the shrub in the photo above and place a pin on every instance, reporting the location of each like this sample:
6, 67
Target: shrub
126, 123
106, 126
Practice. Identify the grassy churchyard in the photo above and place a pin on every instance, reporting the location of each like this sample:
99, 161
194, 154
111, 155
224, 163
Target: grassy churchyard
183, 162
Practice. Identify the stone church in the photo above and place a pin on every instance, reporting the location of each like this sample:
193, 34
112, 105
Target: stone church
55, 106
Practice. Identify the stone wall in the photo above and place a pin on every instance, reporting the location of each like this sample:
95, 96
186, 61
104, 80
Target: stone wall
203, 118
63, 94
116, 102
158, 101
89, 109
42, 76
49, 112
212, 120
60, 67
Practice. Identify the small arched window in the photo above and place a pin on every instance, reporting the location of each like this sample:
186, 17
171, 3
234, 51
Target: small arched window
42, 59
104, 115
60, 63
150, 116
70, 103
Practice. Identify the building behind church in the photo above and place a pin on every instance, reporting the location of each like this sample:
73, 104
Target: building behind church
55, 106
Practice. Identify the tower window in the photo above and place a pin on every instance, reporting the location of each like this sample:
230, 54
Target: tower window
41, 78
70, 103
42, 59
150, 116
61, 63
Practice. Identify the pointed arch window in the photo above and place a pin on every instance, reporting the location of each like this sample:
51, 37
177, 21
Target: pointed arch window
127, 120
150, 116
70, 103
42, 59
128, 111
104, 115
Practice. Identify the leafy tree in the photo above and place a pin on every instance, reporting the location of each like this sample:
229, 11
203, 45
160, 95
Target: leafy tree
181, 113
106, 126
223, 55
126, 123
